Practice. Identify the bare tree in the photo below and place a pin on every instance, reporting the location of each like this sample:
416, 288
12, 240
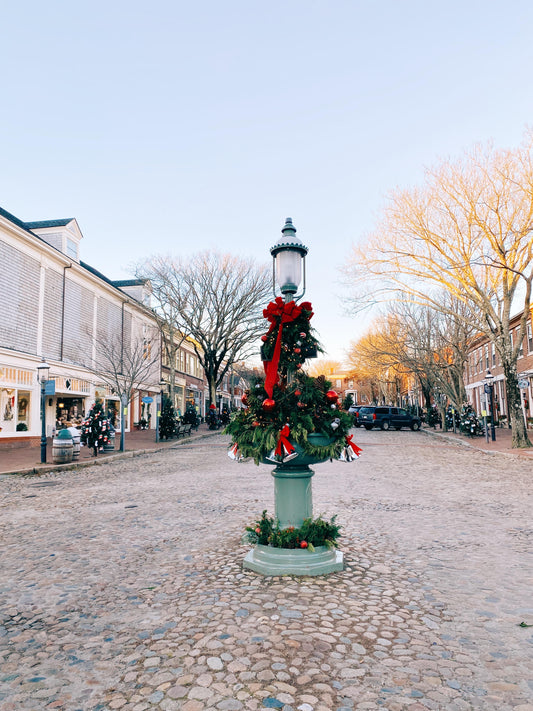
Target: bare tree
376, 358
158, 271
217, 300
467, 231
435, 346
127, 364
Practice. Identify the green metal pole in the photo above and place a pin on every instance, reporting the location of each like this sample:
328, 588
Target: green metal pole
292, 494
43, 422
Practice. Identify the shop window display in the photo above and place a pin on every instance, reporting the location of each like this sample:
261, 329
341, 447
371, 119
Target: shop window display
7, 409
69, 409
23, 410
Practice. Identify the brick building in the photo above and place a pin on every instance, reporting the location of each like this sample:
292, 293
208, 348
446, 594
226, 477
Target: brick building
483, 357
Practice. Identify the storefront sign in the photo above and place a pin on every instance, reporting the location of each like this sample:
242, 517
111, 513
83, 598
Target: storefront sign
50, 387
148, 400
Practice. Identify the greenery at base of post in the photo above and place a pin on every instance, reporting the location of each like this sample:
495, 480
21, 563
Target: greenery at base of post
312, 533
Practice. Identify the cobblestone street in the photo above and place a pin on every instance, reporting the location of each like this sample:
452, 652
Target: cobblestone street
122, 585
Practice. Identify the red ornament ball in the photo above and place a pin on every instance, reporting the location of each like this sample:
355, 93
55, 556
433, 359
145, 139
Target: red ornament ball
297, 350
255, 423
303, 334
244, 399
264, 339
331, 396
258, 530
269, 404
298, 365
297, 393
303, 544
300, 404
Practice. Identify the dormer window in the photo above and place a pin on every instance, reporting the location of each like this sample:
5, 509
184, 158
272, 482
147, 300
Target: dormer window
71, 248
64, 235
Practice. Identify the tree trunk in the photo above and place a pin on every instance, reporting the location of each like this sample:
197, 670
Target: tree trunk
212, 383
516, 416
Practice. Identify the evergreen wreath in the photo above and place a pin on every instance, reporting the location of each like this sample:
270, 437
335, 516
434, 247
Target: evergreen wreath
287, 406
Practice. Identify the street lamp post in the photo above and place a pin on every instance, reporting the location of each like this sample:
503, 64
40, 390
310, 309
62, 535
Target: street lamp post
489, 390
159, 407
43, 371
123, 413
292, 479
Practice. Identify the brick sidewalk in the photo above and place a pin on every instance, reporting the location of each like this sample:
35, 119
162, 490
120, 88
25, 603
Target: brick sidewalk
27, 459
502, 444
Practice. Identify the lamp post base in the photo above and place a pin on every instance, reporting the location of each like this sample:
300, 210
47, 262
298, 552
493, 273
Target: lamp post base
283, 561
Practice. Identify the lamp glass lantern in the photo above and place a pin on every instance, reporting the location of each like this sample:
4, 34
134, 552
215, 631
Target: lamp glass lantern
489, 378
43, 371
288, 255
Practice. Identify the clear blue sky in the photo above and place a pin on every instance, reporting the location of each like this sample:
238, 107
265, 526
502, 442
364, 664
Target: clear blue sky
175, 126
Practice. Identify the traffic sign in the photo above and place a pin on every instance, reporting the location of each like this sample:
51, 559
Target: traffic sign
522, 384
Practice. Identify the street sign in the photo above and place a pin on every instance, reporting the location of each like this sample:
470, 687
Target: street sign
487, 389
522, 384
50, 387
148, 399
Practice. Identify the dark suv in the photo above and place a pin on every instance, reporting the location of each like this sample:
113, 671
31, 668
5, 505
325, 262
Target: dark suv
387, 418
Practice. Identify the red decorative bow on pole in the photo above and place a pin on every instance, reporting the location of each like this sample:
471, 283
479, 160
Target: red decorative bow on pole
284, 447
277, 312
350, 443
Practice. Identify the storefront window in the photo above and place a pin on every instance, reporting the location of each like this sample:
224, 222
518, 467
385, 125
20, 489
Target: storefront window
69, 409
112, 411
14, 410
23, 410
7, 409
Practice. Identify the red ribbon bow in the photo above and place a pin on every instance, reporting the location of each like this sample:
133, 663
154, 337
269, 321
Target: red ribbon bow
284, 447
277, 312
350, 443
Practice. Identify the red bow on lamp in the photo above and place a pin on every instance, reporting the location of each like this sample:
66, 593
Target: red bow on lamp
284, 447
277, 312
285, 450
351, 451
351, 443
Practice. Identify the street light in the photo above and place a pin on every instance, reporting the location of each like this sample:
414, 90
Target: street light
43, 371
288, 258
159, 407
488, 382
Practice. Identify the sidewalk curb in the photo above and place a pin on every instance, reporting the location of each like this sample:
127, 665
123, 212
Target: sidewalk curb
106, 459
521, 453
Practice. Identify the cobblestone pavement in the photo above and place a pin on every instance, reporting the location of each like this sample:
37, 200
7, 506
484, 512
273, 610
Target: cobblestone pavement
122, 585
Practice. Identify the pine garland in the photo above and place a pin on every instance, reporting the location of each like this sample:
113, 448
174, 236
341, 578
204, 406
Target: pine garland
307, 405
313, 532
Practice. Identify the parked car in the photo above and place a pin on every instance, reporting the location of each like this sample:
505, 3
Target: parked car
354, 410
387, 418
